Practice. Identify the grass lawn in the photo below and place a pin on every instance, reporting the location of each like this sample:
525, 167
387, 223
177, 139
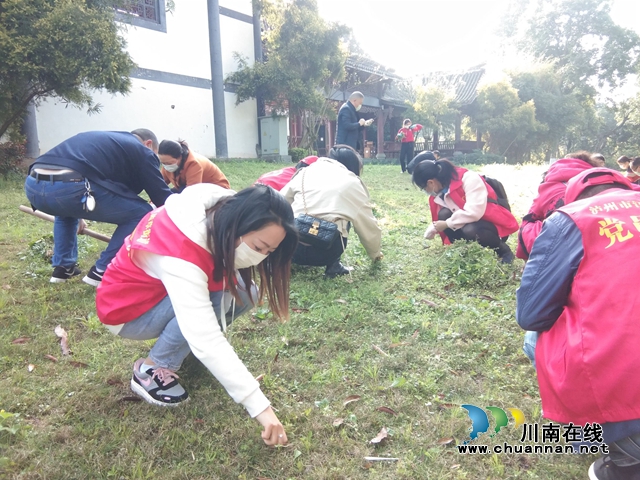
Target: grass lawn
442, 320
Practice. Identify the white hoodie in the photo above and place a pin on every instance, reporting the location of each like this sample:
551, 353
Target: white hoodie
188, 290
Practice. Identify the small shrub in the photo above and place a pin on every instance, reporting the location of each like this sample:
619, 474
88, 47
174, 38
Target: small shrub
467, 264
11, 156
476, 158
297, 154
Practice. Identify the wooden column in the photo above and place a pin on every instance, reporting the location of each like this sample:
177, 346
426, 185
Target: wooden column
380, 120
436, 139
328, 135
458, 128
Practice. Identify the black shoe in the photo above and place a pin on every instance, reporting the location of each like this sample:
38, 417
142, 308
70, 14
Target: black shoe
62, 274
505, 253
93, 278
605, 469
336, 269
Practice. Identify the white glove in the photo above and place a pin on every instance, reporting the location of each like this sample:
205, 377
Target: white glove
430, 232
362, 122
368, 122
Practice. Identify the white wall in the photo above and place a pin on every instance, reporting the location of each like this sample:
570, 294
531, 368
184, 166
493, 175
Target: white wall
149, 105
184, 50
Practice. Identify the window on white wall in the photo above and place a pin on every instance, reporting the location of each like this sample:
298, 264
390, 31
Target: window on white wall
143, 13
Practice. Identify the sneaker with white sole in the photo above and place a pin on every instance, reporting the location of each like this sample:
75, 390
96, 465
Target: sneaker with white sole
94, 277
62, 274
158, 386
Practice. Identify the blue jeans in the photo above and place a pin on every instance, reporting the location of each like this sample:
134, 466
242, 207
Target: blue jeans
160, 322
529, 347
64, 200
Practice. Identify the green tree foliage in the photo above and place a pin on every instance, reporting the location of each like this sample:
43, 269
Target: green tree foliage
578, 37
59, 48
304, 60
434, 108
509, 125
557, 111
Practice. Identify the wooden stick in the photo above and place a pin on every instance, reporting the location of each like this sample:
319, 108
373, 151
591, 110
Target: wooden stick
51, 218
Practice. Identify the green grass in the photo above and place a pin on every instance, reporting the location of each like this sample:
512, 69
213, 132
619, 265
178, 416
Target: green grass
76, 423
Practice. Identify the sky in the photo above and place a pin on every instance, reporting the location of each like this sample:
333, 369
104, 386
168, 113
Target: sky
419, 36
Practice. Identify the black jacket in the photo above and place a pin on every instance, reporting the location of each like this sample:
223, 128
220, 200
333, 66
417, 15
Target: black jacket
348, 128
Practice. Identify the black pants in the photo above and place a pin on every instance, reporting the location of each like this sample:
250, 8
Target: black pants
314, 257
483, 232
406, 153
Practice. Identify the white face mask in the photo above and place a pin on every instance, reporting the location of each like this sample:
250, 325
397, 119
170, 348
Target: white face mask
171, 168
246, 256
358, 108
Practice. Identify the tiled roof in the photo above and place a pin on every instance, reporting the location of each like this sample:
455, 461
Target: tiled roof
365, 64
464, 85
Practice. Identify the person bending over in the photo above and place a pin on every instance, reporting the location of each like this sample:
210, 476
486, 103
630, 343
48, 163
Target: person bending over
578, 292
182, 167
464, 207
331, 190
185, 273
550, 197
95, 176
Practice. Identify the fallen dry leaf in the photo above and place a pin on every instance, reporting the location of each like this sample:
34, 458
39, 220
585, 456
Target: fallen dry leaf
31, 367
429, 303
379, 350
285, 341
64, 340
131, 399
401, 344
445, 441
338, 421
381, 459
199, 420
350, 399
260, 377
487, 297
275, 359
387, 410
78, 364
7, 287
21, 340
415, 334
340, 300
51, 357
300, 310
114, 381
263, 478
402, 297
456, 466
380, 437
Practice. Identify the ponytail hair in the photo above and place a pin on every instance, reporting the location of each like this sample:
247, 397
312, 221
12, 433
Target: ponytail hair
179, 149
442, 170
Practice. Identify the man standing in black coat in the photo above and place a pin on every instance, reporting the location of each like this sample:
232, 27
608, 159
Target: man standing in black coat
349, 126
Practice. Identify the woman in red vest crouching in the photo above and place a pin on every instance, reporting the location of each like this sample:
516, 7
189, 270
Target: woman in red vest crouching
464, 207
184, 273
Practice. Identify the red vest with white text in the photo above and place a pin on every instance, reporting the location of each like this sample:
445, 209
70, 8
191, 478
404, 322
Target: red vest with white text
502, 218
126, 291
588, 361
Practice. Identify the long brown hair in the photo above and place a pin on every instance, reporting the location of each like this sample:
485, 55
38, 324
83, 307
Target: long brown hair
249, 210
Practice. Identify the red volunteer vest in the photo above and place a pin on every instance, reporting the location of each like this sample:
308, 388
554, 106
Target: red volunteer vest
502, 218
277, 179
588, 361
126, 291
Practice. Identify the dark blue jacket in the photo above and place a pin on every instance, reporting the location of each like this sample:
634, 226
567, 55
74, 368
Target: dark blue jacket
116, 161
348, 128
